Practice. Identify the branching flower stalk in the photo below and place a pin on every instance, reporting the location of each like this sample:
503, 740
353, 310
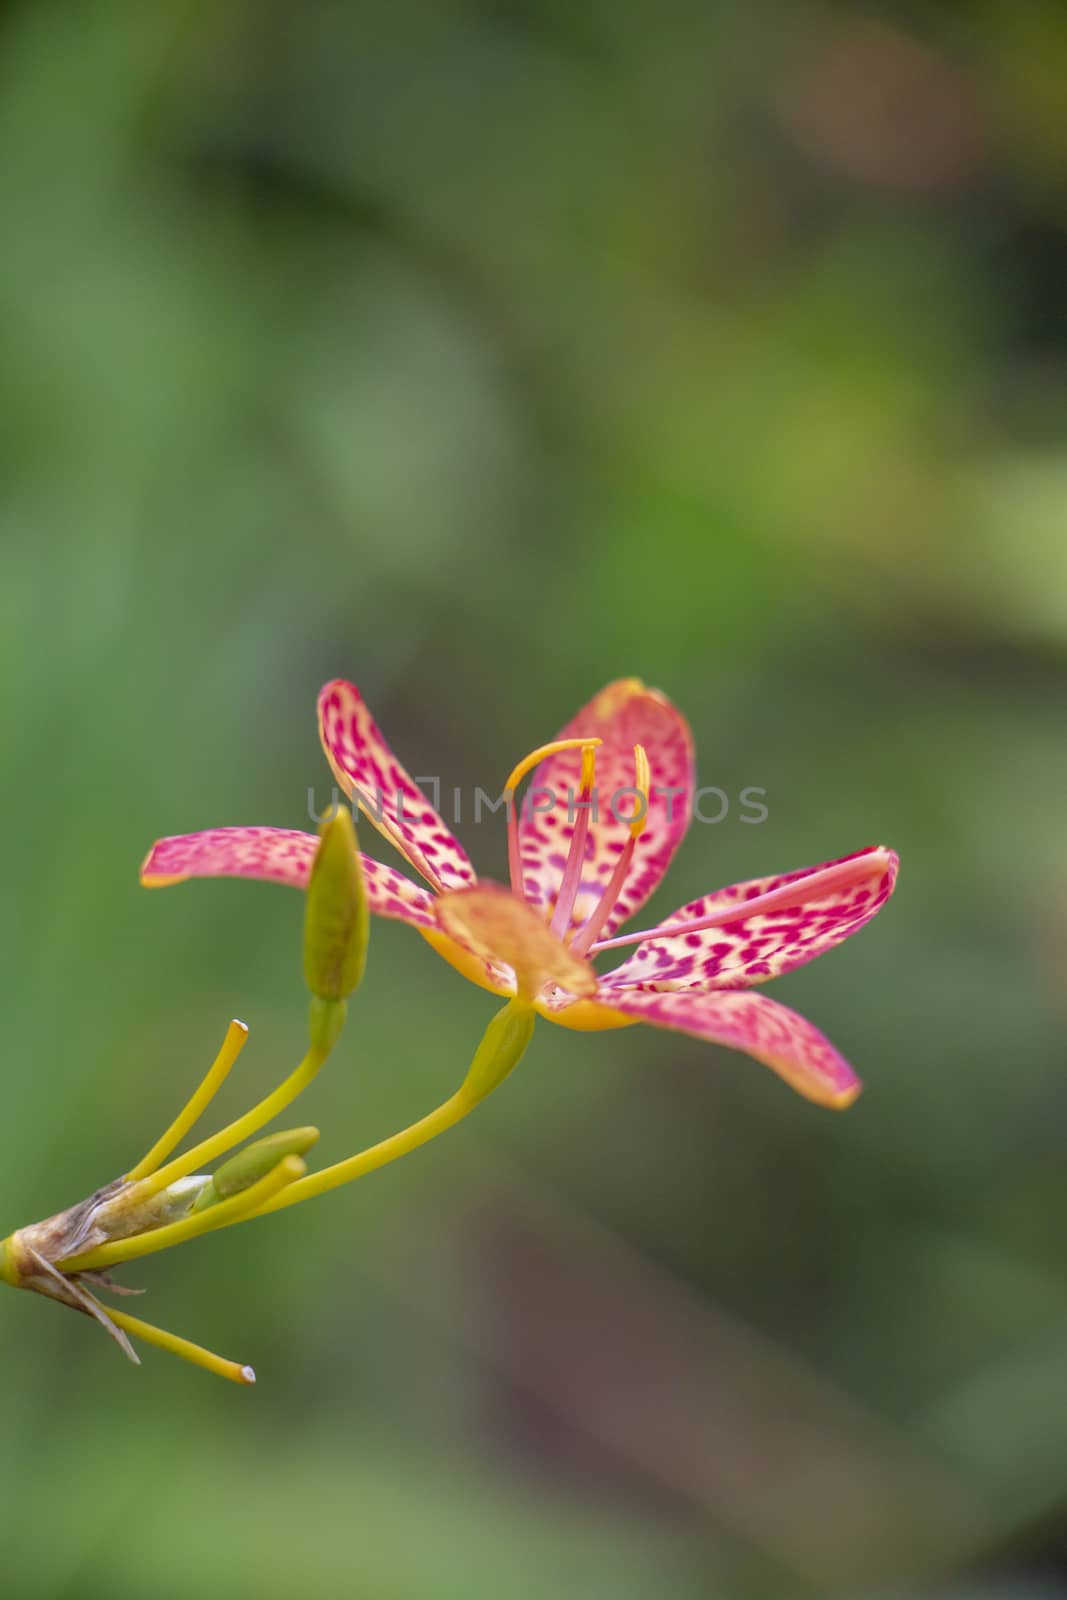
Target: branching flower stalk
165, 1202
579, 867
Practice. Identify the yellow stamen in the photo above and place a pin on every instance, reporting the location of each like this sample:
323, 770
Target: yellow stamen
572, 871
528, 763
587, 933
586, 746
288, 1170
588, 767
642, 783
232, 1370
234, 1042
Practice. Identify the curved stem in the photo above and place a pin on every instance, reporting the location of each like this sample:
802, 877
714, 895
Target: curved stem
233, 1370
204, 1153
234, 1042
502, 1047
499, 1052
446, 1116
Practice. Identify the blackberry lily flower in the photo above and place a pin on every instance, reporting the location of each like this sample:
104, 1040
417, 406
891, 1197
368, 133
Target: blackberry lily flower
609, 803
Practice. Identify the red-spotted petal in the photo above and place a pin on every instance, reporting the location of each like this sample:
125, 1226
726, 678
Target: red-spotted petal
502, 930
368, 771
796, 916
764, 1029
279, 855
622, 715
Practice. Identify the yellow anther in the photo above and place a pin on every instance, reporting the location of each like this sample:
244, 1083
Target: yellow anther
642, 783
589, 767
528, 763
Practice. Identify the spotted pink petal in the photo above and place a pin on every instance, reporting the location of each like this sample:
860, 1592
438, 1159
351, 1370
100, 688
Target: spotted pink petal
367, 771
804, 914
622, 715
278, 855
764, 1029
502, 930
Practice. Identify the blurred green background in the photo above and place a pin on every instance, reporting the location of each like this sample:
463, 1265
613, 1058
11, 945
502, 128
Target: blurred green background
481, 353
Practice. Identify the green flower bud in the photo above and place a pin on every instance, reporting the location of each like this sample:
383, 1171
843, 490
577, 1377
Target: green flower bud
254, 1162
502, 1048
336, 923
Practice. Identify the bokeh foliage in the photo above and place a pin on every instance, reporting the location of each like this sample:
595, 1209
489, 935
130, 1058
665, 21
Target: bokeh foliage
481, 353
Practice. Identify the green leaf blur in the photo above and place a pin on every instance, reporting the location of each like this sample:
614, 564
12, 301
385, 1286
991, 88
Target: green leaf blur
482, 351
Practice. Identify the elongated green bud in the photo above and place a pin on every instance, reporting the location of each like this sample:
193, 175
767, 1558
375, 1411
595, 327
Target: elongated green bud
336, 924
502, 1048
255, 1161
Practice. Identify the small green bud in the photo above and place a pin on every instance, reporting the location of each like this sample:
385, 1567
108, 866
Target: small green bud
254, 1162
502, 1048
336, 923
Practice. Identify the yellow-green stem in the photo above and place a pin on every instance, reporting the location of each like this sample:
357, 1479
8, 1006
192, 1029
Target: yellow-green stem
234, 1371
147, 1244
234, 1042
210, 1149
499, 1052
378, 1155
